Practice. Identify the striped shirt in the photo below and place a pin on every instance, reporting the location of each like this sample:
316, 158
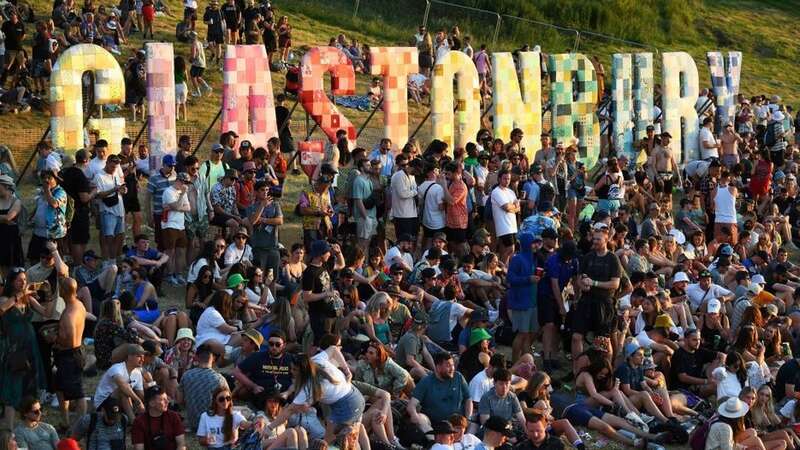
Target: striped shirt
198, 385
156, 186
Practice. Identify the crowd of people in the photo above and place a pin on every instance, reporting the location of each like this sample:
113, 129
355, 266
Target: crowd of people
444, 298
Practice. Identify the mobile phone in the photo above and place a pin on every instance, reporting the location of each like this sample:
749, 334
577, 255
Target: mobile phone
171, 312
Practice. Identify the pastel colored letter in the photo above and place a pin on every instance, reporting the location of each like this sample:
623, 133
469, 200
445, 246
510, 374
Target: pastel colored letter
112, 130
518, 102
161, 99
395, 64
66, 97
315, 101
621, 101
468, 106
642, 93
681, 88
725, 76
575, 110
247, 104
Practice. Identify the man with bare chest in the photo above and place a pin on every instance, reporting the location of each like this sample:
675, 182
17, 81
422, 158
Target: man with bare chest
665, 167
68, 353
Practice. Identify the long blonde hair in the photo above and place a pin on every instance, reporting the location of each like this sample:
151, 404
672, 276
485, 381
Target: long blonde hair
375, 303
763, 413
309, 376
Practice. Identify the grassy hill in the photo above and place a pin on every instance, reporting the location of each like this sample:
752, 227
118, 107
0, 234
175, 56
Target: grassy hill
763, 30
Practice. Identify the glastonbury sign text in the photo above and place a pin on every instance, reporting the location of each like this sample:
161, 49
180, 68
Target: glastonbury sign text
248, 105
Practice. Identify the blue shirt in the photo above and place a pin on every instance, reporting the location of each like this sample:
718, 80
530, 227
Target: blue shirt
387, 160
439, 399
532, 189
49, 222
554, 267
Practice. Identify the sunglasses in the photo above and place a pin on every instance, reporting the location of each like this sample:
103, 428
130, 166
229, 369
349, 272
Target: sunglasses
275, 344
226, 398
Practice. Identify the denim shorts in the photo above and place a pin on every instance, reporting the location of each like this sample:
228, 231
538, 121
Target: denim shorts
111, 225
348, 409
609, 206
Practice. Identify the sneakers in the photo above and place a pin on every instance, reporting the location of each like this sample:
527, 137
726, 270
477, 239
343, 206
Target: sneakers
637, 421
171, 279
196, 94
209, 90
180, 280
646, 419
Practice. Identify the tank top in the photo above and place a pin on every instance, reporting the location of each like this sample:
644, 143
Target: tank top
724, 206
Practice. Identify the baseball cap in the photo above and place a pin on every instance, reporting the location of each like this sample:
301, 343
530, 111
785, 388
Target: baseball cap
245, 144
758, 279
631, 348
111, 407
714, 306
428, 272
168, 160
754, 289
319, 248
726, 250
705, 274
89, 254
440, 236
217, 148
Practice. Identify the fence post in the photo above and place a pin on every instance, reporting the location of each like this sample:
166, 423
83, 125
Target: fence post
355, 9
427, 11
496, 31
208, 130
577, 41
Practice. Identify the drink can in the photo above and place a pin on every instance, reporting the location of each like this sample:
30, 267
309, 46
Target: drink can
786, 349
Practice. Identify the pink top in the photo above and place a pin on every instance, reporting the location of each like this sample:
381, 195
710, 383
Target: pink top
457, 211
482, 62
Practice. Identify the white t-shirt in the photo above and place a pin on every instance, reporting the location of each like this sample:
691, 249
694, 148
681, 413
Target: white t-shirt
727, 383
212, 426
504, 222
697, 296
468, 442
708, 137
234, 254
394, 253
105, 182
176, 219
194, 270
479, 385
438, 446
108, 385
331, 392
457, 311
433, 214
254, 297
787, 410
207, 327
404, 204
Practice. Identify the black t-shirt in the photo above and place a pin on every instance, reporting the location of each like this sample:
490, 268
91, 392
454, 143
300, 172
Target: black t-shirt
267, 371
74, 182
251, 14
789, 373
281, 116
41, 46
316, 279
213, 15
549, 443
689, 363
601, 268
231, 14
14, 33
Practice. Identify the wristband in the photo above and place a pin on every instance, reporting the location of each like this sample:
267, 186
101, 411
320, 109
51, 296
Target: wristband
594, 283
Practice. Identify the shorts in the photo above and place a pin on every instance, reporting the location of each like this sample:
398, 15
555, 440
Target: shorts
456, 235
190, 13
195, 71
610, 206
173, 238
181, 92
548, 311
664, 182
597, 316
429, 232
69, 373
579, 414
366, 228
221, 219
78, 231
406, 225
111, 225
39, 69
348, 409
524, 320
508, 240
216, 38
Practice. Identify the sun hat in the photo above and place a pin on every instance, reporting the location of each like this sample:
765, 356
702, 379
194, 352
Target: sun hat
254, 335
733, 408
478, 335
679, 277
664, 321
184, 333
236, 280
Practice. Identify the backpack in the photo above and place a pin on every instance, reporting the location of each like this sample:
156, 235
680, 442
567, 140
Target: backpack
488, 215
769, 135
250, 440
697, 440
207, 165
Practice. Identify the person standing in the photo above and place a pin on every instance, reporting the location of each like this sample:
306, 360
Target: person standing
198, 66
11, 254
111, 187
432, 204
456, 213
156, 185
364, 205
68, 355
724, 195
709, 145
522, 295
505, 207
317, 288
175, 205
14, 30
49, 222
158, 428
76, 183
600, 272
404, 193
266, 216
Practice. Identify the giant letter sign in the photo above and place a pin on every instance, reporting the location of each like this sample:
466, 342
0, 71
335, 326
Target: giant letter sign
468, 104
247, 104
161, 99
642, 93
582, 110
66, 96
395, 64
315, 63
518, 106
679, 99
621, 96
725, 76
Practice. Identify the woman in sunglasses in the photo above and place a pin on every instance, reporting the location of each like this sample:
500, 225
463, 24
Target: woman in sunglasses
219, 426
32, 433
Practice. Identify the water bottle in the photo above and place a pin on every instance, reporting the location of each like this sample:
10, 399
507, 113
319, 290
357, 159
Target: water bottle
654, 446
628, 434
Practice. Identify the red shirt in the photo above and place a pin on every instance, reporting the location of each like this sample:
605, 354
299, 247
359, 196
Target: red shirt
149, 12
169, 424
245, 191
